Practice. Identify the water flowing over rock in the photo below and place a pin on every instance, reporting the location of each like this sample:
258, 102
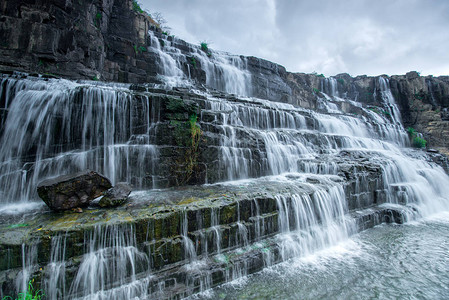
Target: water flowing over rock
235, 163
72, 191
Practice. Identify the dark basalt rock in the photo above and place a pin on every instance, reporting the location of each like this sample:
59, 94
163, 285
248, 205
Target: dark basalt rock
73, 190
116, 196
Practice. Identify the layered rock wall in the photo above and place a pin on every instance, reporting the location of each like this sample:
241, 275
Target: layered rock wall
96, 39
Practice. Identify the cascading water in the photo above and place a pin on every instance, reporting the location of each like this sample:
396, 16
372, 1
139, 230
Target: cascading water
54, 127
58, 127
111, 260
388, 100
223, 71
312, 223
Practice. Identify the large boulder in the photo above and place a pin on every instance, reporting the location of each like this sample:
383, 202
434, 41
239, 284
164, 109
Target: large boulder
73, 190
116, 196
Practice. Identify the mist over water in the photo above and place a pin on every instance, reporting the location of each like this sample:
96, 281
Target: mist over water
409, 261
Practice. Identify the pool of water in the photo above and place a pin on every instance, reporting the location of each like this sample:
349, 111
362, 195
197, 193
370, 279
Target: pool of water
409, 261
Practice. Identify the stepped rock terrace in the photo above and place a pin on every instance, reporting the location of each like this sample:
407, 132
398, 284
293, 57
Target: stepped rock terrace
227, 229
235, 163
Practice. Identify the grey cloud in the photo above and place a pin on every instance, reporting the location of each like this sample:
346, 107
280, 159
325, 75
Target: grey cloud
326, 36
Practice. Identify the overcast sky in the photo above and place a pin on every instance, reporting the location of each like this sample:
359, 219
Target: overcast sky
325, 36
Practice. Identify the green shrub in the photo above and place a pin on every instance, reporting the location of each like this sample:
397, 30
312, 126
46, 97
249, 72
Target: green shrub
204, 46
316, 91
29, 294
419, 142
136, 7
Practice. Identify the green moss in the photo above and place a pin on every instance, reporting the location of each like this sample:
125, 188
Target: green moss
187, 135
157, 228
18, 225
193, 62
180, 133
174, 104
228, 214
188, 200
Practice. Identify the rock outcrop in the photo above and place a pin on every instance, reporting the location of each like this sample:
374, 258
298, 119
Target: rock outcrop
95, 40
116, 196
72, 191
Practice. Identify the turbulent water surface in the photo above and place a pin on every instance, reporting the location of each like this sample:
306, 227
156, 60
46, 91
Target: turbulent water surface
409, 261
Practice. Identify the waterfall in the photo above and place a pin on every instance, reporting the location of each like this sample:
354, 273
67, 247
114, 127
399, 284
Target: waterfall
223, 71
388, 99
55, 278
329, 86
112, 259
283, 181
58, 127
309, 223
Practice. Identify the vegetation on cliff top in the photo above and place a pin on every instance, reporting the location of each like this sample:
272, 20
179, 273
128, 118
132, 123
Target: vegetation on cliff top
155, 18
205, 47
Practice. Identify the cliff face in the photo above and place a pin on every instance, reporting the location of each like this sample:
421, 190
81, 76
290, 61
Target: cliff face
102, 40
424, 105
423, 100
109, 40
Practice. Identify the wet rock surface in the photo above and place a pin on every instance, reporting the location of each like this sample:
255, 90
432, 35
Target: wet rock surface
158, 222
116, 196
73, 190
